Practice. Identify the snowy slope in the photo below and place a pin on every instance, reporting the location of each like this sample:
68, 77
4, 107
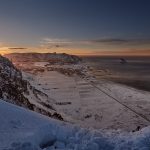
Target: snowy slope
79, 102
69, 92
26, 130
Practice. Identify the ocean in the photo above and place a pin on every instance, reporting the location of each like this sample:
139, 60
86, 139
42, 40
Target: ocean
131, 71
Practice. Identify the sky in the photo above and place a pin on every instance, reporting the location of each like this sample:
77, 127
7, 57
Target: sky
82, 27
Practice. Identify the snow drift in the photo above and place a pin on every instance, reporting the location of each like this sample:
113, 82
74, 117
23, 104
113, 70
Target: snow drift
26, 130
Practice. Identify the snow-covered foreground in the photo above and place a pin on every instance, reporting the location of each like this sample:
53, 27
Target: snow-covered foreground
21, 129
80, 102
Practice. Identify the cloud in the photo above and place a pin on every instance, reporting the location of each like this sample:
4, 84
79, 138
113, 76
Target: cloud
119, 41
49, 43
123, 52
56, 41
17, 48
108, 41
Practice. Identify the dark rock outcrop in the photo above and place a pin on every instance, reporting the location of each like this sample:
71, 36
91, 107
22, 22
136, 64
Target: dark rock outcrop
13, 89
12, 86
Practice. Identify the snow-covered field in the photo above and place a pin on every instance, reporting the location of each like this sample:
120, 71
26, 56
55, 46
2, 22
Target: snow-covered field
21, 129
95, 114
84, 102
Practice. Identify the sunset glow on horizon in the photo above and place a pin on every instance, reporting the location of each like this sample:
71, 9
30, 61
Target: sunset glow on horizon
97, 28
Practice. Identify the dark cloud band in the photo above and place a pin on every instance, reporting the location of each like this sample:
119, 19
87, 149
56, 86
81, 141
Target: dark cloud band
17, 48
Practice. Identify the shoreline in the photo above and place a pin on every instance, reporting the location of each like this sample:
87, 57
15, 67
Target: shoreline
135, 73
134, 82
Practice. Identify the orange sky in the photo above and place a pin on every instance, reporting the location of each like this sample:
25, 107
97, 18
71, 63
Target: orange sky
81, 48
146, 52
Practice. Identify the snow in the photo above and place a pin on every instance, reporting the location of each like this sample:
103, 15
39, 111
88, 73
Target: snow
40, 64
21, 129
92, 119
79, 102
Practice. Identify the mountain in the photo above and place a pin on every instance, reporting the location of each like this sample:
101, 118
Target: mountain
46, 57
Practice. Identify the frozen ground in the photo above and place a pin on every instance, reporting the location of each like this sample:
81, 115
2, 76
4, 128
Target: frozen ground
85, 102
21, 129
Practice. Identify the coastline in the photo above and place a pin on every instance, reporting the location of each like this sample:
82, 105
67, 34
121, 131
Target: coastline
130, 74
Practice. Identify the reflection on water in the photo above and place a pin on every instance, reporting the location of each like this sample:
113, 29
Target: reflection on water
132, 71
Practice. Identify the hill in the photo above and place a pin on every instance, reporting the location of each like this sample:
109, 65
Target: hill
46, 57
